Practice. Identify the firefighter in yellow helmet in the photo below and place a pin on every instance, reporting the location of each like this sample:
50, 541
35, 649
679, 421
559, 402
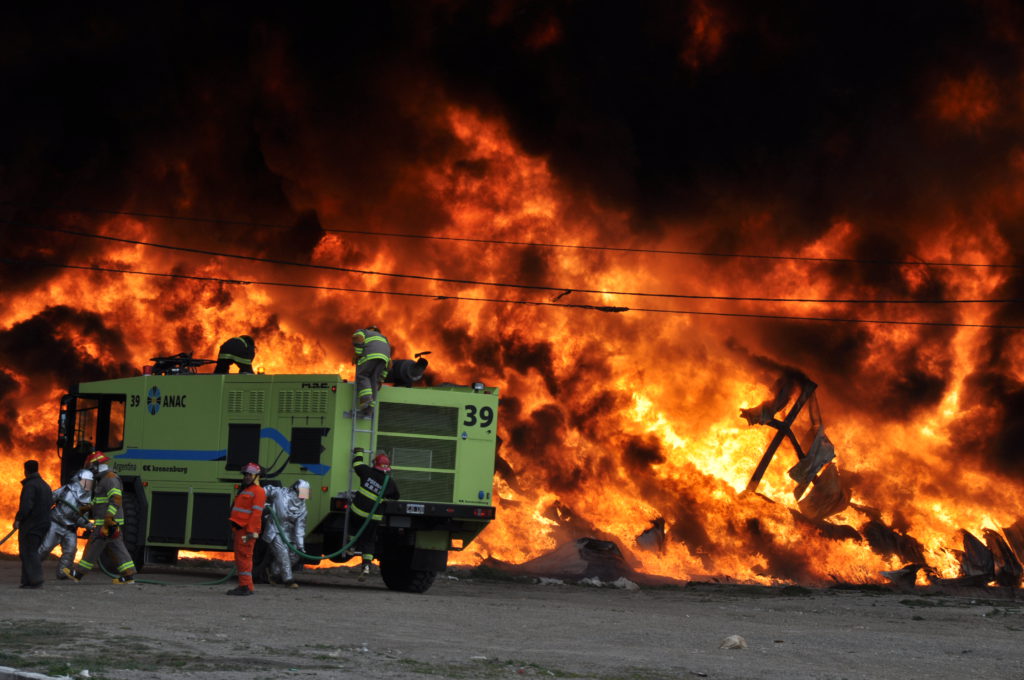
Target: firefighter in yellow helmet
373, 360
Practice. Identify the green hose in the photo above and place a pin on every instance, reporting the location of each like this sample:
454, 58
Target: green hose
273, 516
165, 583
342, 549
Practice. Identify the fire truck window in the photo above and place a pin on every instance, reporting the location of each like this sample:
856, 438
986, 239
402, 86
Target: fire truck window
85, 423
306, 446
243, 445
110, 425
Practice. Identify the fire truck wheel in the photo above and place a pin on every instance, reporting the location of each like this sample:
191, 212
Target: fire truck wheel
398, 574
130, 535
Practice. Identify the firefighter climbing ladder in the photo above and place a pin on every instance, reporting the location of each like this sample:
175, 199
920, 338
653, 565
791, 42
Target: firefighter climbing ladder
362, 438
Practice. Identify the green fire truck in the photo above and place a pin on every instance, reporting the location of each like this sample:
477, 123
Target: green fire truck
179, 438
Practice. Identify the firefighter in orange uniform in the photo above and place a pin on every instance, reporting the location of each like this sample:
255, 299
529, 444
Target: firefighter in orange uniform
246, 518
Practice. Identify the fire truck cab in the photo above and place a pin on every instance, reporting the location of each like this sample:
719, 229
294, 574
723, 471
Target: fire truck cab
178, 439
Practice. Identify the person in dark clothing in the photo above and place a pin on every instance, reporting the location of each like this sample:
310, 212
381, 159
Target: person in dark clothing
32, 523
371, 482
372, 357
239, 351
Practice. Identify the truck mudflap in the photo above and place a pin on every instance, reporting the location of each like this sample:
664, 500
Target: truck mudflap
429, 560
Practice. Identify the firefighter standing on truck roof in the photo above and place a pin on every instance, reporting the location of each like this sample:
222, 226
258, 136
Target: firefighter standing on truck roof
246, 517
239, 351
108, 524
371, 484
372, 359
289, 507
70, 504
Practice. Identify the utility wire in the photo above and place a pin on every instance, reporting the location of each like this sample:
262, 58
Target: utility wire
540, 244
597, 308
562, 290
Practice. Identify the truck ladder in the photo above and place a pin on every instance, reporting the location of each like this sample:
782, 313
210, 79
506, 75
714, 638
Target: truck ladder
359, 436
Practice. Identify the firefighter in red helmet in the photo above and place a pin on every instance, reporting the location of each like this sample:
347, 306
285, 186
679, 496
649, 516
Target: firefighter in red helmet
108, 524
246, 519
371, 484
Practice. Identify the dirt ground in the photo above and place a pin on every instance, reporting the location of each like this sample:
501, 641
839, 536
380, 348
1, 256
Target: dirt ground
476, 624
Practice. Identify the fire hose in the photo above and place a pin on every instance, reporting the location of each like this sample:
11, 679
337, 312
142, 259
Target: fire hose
343, 549
167, 583
284, 537
9, 534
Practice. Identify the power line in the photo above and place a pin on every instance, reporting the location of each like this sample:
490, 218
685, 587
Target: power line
540, 244
554, 289
597, 308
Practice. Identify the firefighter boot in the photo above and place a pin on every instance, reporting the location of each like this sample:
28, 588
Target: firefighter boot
365, 571
125, 579
240, 590
72, 574
291, 584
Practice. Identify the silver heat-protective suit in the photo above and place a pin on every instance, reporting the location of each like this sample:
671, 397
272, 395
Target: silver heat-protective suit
65, 519
290, 511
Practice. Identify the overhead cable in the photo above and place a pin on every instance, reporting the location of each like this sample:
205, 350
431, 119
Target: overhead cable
562, 290
541, 244
462, 298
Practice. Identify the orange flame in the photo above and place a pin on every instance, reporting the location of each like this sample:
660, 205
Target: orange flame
610, 421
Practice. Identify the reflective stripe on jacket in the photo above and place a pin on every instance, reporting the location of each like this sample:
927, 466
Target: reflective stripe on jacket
238, 350
247, 510
369, 344
370, 482
106, 498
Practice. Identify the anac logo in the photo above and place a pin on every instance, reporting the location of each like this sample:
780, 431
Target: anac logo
153, 400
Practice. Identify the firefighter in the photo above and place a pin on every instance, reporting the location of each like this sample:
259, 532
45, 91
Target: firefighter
371, 483
372, 359
289, 506
107, 514
70, 505
246, 516
32, 521
239, 351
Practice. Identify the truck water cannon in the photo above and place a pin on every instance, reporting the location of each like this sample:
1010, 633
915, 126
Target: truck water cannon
407, 372
178, 364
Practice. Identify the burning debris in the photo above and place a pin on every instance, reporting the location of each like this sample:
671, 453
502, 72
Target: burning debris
829, 495
584, 557
653, 538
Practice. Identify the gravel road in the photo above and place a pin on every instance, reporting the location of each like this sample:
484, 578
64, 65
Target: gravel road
474, 625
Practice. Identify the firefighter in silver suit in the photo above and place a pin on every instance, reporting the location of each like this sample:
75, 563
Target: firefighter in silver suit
70, 504
289, 506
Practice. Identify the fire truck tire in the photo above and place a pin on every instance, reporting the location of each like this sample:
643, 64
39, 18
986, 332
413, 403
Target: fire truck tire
130, 534
397, 572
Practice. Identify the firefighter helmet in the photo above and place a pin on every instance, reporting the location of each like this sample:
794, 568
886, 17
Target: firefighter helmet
301, 489
96, 458
251, 469
382, 462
